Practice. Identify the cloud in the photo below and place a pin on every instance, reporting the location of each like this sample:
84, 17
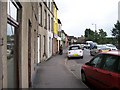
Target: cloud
77, 15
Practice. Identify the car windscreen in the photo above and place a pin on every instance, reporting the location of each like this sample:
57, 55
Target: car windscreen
74, 48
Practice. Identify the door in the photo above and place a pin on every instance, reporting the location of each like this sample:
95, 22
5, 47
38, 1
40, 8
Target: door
92, 70
39, 49
108, 75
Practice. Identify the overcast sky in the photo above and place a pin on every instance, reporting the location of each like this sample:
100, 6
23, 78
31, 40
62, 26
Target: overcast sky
77, 15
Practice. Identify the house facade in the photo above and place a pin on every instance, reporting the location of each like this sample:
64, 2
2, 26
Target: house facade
55, 30
45, 32
59, 34
18, 43
27, 32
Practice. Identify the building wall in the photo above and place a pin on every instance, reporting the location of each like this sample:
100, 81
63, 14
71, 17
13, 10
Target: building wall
45, 54
24, 41
29, 10
49, 29
55, 41
27, 34
3, 48
119, 11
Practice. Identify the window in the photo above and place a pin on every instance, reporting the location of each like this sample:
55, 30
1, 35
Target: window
12, 10
49, 44
111, 63
45, 20
52, 24
40, 14
49, 4
49, 22
74, 48
44, 43
96, 62
52, 7
14, 15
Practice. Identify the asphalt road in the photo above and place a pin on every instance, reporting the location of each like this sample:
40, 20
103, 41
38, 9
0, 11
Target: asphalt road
74, 64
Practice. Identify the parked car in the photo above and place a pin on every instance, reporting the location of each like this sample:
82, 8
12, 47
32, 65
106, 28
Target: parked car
75, 51
111, 46
103, 71
98, 49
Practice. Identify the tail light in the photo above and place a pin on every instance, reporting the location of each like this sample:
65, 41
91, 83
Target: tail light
109, 49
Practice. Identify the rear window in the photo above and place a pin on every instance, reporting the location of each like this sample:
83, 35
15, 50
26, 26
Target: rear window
74, 48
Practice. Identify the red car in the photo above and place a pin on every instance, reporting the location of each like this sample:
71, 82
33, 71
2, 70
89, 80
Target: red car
103, 71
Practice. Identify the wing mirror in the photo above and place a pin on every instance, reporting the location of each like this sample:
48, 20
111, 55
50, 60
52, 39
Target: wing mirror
90, 64
87, 63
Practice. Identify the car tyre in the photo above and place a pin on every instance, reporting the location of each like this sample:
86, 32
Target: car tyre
83, 77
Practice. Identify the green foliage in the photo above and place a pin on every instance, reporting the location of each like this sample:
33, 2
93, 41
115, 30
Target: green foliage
89, 34
99, 37
116, 33
102, 36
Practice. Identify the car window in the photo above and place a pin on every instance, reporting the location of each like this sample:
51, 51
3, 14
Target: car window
74, 47
111, 63
96, 61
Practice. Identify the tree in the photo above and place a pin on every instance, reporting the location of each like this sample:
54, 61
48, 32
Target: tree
116, 33
102, 36
89, 34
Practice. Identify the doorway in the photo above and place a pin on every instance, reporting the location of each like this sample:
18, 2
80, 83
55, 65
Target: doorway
39, 49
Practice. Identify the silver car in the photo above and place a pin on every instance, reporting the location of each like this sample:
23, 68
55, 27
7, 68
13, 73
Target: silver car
98, 49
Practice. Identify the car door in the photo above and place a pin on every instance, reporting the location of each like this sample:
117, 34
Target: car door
107, 75
91, 71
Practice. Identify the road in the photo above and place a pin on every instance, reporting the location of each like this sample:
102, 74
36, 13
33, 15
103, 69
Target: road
74, 64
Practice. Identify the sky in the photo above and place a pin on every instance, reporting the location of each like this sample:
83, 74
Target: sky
77, 15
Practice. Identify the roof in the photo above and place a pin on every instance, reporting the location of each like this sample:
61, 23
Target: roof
114, 52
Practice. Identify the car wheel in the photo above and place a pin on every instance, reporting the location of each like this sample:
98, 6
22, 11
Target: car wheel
83, 77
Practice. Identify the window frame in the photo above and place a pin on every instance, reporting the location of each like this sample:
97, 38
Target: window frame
16, 24
40, 14
45, 19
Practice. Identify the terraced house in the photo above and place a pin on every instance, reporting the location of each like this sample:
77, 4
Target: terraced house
26, 39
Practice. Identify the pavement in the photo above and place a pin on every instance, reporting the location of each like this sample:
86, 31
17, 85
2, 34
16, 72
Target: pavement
58, 72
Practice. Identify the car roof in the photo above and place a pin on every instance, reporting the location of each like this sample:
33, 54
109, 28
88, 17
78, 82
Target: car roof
114, 52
